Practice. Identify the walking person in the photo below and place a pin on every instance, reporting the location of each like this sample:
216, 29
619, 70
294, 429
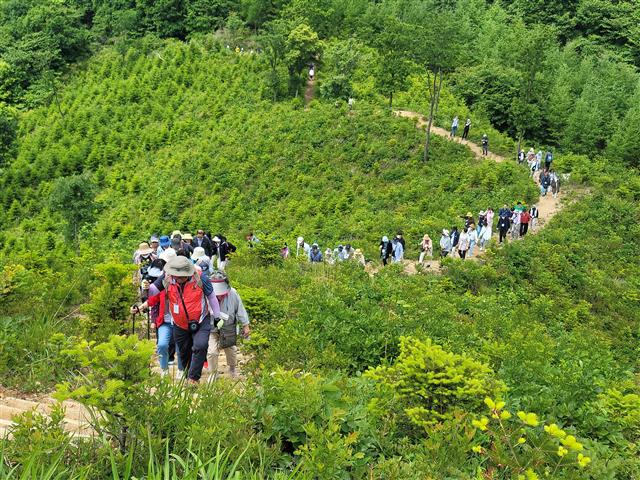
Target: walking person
192, 304
504, 222
386, 250
467, 126
315, 255
302, 247
545, 182
534, 217
203, 241
445, 243
454, 127
455, 238
525, 217
473, 239
485, 144
426, 248
463, 244
489, 218
484, 236
224, 331
398, 250
224, 249
548, 158
515, 223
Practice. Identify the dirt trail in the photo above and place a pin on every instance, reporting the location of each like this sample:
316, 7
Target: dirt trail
309, 91
548, 206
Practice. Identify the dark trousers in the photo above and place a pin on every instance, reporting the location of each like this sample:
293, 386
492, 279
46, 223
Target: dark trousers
462, 253
524, 227
503, 234
465, 132
192, 347
172, 346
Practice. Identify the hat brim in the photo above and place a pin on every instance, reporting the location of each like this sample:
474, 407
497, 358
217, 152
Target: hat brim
179, 272
145, 251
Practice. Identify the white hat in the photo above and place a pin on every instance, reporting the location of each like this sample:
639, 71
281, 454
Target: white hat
445, 232
300, 239
176, 232
168, 254
197, 253
215, 239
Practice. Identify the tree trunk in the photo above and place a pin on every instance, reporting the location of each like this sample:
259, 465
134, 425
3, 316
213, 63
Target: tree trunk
431, 113
438, 93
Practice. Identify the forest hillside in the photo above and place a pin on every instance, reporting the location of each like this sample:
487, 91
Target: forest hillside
121, 121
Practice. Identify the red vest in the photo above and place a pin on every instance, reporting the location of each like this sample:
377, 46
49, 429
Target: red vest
189, 296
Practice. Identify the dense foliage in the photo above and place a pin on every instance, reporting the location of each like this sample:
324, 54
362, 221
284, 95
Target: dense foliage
123, 119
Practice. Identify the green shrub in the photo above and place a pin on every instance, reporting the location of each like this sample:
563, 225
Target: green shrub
433, 385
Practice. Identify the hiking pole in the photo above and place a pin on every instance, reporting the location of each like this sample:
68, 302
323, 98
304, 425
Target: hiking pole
133, 324
148, 324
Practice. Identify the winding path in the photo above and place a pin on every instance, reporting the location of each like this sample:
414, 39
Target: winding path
547, 205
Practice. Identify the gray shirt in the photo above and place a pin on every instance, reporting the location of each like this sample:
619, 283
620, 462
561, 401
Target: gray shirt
232, 310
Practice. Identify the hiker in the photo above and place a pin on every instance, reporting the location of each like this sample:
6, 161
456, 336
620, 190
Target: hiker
489, 217
302, 247
504, 222
484, 236
520, 157
338, 253
454, 127
545, 182
203, 241
347, 253
351, 102
191, 303
385, 250
482, 219
455, 238
538, 159
400, 238
312, 73
398, 250
485, 144
504, 211
224, 330
202, 260
463, 244
519, 207
473, 239
187, 238
165, 242
144, 255
534, 216
315, 255
515, 223
426, 248
154, 243
445, 243
359, 257
525, 217
468, 220
284, 251
548, 158
251, 239
554, 183
224, 249
328, 256
467, 126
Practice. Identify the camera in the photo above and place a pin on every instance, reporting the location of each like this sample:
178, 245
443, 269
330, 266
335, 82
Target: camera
193, 326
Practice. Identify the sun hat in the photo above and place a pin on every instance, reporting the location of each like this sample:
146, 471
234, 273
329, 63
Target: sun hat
165, 241
144, 249
176, 232
469, 214
197, 253
154, 239
168, 254
187, 236
445, 232
300, 239
216, 239
180, 267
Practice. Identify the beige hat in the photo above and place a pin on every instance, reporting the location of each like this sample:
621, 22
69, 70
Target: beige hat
197, 253
176, 232
187, 236
180, 267
144, 249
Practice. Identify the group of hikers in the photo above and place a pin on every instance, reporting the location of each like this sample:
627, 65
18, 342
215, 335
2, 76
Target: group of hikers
195, 310
331, 256
548, 179
465, 134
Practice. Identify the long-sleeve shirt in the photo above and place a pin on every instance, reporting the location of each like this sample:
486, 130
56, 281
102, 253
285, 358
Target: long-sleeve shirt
232, 308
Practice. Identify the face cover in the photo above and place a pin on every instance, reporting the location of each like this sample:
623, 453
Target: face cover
220, 288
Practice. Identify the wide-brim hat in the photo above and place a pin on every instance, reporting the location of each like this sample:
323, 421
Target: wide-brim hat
445, 232
144, 249
165, 241
187, 236
176, 232
197, 253
167, 254
180, 267
469, 214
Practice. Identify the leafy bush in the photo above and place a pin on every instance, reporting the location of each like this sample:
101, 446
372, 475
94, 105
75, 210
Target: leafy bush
433, 385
